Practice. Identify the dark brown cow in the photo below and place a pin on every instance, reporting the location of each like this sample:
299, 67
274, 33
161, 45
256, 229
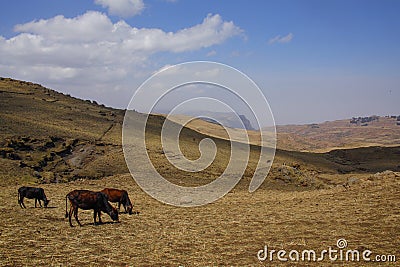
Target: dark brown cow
119, 196
87, 200
32, 192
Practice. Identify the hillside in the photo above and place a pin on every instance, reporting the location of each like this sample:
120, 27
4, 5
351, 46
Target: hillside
54, 137
50, 137
322, 137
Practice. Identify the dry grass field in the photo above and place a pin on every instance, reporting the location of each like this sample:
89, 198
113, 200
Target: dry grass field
228, 232
308, 201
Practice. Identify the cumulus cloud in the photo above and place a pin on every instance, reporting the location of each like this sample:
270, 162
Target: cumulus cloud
92, 39
122, 8
91, 49
281, 39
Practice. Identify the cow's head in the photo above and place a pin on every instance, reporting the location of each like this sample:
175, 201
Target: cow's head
46, 202
114, 214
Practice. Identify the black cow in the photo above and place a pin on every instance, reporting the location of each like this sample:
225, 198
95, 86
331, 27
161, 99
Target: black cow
88, 200
32, 192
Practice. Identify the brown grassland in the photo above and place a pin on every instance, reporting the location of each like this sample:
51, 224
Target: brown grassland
228, 232
308, 201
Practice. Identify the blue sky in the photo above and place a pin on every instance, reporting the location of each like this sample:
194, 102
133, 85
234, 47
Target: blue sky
314, 60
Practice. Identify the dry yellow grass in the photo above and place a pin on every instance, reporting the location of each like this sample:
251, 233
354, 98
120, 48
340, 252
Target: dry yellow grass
228, 232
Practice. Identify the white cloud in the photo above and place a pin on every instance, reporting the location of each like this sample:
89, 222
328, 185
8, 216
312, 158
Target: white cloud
211, 53
122, 8
93, 40
281, 39
90, 49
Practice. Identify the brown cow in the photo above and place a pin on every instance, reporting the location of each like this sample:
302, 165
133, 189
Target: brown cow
87, 200
120, 196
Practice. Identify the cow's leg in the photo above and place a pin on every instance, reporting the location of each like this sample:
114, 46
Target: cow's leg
76, 216
94, 216
71, 210
122, 205
40, 204
100, 222
21, 203
118, 205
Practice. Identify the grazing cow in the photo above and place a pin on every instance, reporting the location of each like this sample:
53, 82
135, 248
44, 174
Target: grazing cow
120, 196
32, 192
87, 200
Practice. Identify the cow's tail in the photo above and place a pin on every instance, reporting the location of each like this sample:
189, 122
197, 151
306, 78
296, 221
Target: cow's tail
66, 206
19, 198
